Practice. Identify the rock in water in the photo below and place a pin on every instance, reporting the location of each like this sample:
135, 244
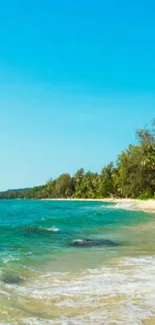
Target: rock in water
93, 242
11, 278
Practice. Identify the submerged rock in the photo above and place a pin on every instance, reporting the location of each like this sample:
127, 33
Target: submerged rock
10, 278
93, 242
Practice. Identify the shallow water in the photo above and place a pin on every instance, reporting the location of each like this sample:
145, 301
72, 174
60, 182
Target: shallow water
46, 280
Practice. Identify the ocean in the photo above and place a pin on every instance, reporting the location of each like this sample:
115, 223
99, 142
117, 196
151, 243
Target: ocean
76, 263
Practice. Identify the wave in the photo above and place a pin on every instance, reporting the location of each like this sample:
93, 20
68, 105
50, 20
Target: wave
41, 230
125, 206
122, 205
9, 258
52, 229
123, 293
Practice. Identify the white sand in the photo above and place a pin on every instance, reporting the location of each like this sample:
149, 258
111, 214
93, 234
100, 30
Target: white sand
132, 204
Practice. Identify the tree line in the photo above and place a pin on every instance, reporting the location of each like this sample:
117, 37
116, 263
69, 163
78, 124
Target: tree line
131, 176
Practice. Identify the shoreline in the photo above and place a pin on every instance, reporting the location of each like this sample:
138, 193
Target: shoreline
134, 204
125, 204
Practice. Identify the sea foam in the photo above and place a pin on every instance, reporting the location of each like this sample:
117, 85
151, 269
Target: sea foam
125, 291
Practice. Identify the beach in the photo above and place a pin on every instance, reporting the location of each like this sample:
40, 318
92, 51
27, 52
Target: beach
126, 204
133, 204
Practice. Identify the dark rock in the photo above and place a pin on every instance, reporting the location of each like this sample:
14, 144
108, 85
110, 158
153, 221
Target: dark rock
10, 278
93, 242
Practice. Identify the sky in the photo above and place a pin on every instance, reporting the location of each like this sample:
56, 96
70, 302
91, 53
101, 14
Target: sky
77, 78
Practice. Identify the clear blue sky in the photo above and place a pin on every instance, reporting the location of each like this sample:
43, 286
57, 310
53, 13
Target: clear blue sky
76, 80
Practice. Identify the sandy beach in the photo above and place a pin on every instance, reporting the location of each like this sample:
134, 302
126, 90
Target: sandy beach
126, 204
133, 204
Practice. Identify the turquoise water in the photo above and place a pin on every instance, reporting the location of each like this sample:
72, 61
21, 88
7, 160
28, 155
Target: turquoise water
44, 279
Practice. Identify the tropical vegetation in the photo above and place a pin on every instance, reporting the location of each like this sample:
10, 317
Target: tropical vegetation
133, 175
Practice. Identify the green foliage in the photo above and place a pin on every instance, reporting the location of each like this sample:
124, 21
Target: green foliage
145, 196
107, 185
129, 172
86, 186
64, 186
133, 176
